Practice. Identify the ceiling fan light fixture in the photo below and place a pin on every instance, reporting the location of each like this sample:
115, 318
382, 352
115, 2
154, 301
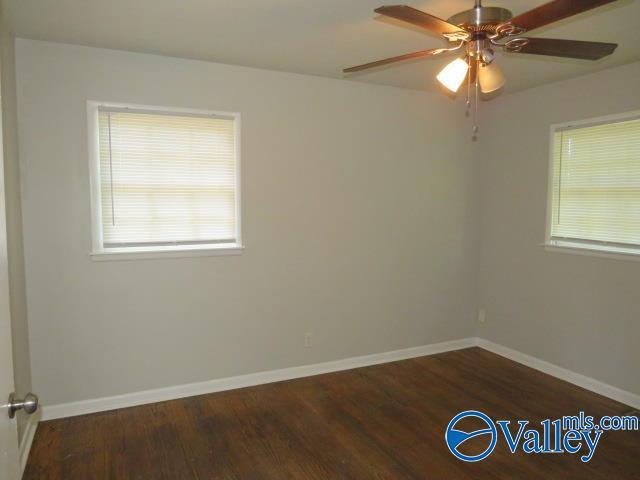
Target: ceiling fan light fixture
481, 29
490, 77
453, 74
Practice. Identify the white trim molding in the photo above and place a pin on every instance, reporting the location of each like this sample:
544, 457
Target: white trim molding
592, 251
175, 252
50, 412
588, 383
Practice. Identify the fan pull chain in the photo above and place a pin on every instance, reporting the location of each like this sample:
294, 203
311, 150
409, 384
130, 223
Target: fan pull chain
468, 102
475, 129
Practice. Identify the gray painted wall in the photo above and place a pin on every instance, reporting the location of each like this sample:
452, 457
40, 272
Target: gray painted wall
361, 212
359, 220
579, 312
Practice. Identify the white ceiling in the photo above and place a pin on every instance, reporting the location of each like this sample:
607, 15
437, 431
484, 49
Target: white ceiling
318, 37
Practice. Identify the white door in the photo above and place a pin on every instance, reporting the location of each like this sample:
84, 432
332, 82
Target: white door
8, 433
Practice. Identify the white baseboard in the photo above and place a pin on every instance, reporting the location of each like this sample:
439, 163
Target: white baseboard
27, 440
583, 381
50, 412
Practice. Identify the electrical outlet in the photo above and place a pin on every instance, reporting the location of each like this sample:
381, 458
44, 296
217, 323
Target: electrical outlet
308, 340
482, 315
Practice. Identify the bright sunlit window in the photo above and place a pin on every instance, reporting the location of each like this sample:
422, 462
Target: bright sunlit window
595, 186
163, 180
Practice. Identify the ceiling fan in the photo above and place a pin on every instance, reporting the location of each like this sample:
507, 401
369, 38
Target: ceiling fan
480, 30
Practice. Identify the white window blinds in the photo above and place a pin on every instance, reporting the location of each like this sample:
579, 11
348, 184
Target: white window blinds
596, 184
166, 178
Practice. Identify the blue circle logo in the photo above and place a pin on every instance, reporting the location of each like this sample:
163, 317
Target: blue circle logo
456, 438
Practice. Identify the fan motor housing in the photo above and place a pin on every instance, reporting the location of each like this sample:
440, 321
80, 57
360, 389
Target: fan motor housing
481, 19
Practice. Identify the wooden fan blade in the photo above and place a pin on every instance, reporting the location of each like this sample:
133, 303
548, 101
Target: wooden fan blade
554, 11
419, 18
567, 48
408, 56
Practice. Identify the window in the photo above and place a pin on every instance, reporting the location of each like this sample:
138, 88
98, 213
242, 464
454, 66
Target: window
163, 181
595, 185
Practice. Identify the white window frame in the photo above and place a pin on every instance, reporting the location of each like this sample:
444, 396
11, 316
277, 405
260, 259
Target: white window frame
98, 252
597, 249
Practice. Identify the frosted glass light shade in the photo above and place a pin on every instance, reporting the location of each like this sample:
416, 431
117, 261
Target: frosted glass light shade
491, 78
453, 74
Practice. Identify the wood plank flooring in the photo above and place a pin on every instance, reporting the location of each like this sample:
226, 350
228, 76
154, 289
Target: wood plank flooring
381, 422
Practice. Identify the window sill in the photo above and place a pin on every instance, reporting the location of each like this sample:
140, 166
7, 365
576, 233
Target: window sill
132, 253
574, 248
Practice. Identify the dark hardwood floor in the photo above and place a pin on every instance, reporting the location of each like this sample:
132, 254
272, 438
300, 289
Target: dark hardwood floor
381, 422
